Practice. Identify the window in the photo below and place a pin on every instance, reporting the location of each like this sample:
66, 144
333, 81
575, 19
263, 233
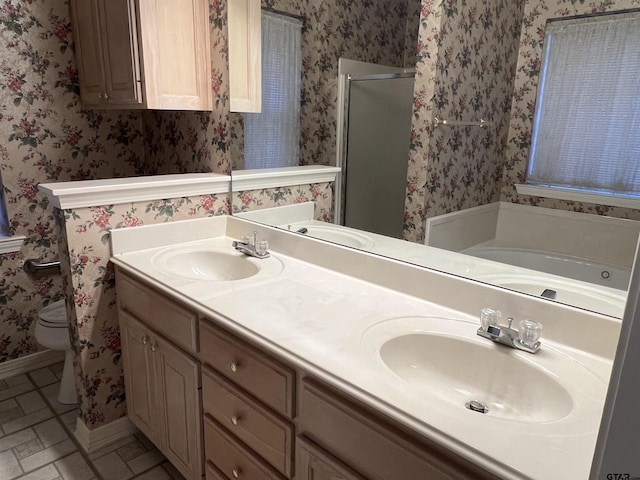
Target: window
4, 221
586, 132
8, 243
272, 137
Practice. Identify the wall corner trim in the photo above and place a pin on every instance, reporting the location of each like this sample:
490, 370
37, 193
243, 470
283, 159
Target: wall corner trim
113, 191
28, 363
11, 244
258, 179
92, 440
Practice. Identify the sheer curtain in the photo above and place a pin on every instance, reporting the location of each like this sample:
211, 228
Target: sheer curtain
586, 131
272, 137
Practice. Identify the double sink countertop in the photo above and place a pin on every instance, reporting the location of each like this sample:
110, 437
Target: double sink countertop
399, 338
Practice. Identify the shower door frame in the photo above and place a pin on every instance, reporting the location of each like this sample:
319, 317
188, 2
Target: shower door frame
350, 71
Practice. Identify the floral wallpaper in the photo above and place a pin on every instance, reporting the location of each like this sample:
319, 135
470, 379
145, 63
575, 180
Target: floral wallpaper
481, 60
320, 193
90, 286
467, 61
46, 137
536, 14
366, 30
193, 142
467, 53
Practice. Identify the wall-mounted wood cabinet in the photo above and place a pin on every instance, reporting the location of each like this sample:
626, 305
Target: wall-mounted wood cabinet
244, 21
151, 54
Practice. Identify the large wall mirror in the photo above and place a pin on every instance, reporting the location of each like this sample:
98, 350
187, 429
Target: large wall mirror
456, 140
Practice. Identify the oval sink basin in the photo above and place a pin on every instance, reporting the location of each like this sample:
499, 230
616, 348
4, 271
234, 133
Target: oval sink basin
208, 265
459, 371
444, 363
335, 234
214, 264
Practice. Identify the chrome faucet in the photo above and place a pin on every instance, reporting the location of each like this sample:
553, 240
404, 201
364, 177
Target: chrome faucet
252, 247
525, 339
301, 230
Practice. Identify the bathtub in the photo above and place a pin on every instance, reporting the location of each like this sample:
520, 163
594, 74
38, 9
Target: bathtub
556, 264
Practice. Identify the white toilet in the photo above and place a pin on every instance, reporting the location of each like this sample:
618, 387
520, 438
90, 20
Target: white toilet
52, 331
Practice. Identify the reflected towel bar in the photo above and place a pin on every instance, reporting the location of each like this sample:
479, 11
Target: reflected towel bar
481, 123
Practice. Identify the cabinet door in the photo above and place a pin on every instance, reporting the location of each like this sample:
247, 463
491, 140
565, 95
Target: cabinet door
176, 47
179, 386
86, 26
120, 52
140, 376
245, 55
312, 463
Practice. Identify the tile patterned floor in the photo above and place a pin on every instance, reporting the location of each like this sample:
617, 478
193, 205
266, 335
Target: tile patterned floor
37, 443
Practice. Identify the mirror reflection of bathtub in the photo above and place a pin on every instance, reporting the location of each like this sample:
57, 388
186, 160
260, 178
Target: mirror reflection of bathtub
552, 254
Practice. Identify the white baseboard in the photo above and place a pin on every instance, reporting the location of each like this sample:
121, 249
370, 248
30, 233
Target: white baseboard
11, 368
92, 440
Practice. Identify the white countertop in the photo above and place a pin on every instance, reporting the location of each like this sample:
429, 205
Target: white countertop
318, 319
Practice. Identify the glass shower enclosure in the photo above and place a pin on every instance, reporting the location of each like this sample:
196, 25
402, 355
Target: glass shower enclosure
375, 151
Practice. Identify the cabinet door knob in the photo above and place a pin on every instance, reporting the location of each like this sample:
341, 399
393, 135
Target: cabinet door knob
106, 96
236, 472
153, 346
144, 339
233, 366
99, 96
235, 419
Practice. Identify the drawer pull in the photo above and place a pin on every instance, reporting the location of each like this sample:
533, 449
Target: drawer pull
236, 472
233, 366
235, 419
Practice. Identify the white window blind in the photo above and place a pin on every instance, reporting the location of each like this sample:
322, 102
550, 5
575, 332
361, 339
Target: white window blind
272, 137
586, 133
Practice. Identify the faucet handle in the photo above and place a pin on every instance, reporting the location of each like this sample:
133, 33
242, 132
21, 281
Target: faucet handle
510, 321
262, 247
530, 332
489, 317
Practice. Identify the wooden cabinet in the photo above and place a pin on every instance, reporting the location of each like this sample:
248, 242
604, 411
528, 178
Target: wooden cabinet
162, 383
244, 20
230, 459
270, 436
140, 377
260, 375
312, 463
179, 380
248, 403
245, 414
107, 52
143, 53
371, 445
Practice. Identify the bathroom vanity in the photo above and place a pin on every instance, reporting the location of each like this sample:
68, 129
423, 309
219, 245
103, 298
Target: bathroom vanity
320, 362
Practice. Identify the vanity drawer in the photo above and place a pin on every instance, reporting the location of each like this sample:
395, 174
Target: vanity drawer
212, 473
268, 435
258, 374
372, 446
231, 458
162, 315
